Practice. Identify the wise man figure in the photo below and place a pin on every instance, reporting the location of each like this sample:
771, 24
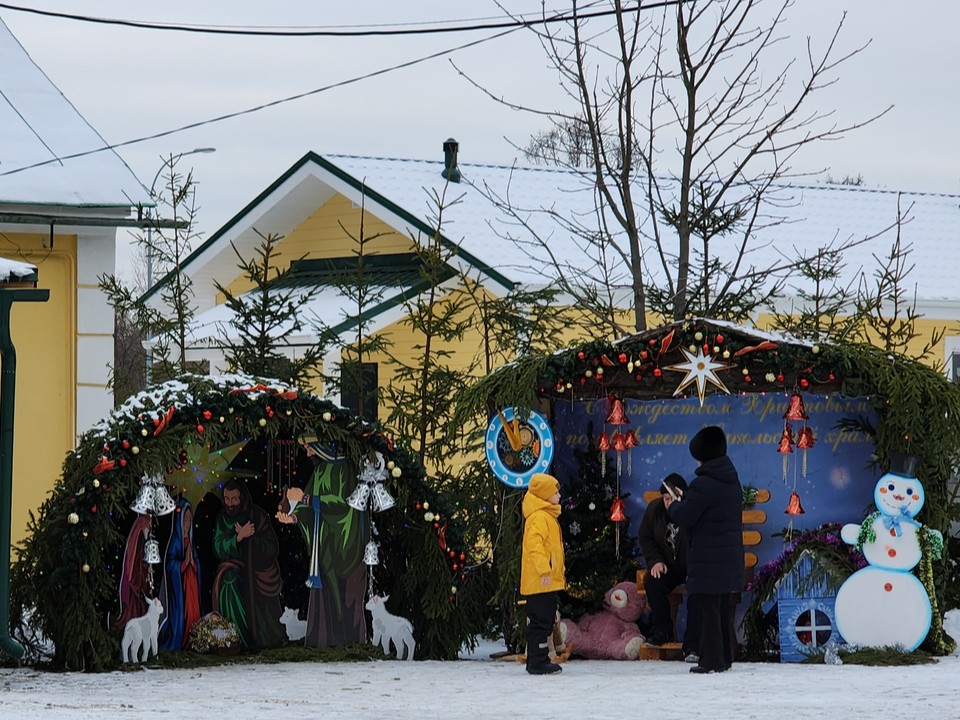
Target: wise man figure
335, 534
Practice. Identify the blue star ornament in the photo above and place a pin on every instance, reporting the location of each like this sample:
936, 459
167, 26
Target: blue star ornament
701, 369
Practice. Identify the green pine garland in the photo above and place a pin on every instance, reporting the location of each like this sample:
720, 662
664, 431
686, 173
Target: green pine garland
61, 569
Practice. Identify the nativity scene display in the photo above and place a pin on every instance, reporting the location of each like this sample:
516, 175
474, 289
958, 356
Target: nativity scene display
236, 517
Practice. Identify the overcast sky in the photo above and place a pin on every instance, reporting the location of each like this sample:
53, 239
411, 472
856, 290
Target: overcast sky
130, 83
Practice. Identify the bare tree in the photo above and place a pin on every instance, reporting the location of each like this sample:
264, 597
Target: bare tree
685, 126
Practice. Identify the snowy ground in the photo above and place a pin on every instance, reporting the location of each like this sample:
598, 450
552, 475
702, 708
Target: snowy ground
477, 687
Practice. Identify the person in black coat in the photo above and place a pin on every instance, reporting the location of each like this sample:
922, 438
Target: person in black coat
664, 547
711, 511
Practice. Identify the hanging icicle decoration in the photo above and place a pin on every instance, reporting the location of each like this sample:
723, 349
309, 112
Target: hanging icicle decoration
805, 441
603, 444
786, 447
630, 442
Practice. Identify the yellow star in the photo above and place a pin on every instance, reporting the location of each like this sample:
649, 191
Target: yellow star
701, 369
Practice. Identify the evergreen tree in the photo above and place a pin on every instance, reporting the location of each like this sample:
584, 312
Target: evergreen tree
267, 319
598, 551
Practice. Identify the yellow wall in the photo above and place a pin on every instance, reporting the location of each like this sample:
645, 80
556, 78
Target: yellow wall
44, 335
320, 236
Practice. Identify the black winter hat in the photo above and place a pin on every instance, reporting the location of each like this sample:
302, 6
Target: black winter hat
708, 444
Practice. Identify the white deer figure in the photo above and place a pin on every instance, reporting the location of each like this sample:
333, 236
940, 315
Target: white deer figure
389, 628
140, 634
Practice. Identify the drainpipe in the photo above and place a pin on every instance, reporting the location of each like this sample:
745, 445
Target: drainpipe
8, 381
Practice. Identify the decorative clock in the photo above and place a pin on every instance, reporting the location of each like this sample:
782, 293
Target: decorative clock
516, 449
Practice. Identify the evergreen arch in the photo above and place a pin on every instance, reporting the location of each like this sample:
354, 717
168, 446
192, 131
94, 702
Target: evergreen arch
67, 568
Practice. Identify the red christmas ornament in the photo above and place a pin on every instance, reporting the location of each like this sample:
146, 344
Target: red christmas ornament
804, 383
793, 506
630, 440
780, 378
805, 439
795, 410
581, 355
207, 414
617, 415
657, 372
126, 444
618, 442
786, 440
200, 429
644, 354
603, 442
616, 511
719, 339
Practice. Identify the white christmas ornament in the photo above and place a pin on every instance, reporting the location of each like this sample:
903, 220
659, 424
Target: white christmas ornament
885, 604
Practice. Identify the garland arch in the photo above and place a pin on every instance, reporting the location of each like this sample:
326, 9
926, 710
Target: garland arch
66, 571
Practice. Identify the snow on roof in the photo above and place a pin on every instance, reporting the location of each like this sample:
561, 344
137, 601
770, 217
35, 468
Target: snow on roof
801, 218
10, 269
39, 126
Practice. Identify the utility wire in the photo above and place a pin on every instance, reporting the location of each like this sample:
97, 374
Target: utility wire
274, 103
516, 23
290, 98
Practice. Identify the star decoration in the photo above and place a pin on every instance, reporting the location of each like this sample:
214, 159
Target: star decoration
701, 369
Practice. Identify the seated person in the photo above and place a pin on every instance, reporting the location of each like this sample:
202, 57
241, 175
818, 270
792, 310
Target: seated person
664, 547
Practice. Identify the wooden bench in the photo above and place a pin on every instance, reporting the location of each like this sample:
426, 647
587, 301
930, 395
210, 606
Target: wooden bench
751, 538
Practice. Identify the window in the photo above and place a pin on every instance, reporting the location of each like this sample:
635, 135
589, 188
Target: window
356, 380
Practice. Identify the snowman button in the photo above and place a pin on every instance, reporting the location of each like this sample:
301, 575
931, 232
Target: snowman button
888, 587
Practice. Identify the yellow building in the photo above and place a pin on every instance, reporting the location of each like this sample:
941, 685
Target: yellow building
62, 199
499, 225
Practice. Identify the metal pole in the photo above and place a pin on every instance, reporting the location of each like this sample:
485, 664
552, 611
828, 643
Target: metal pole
8, 383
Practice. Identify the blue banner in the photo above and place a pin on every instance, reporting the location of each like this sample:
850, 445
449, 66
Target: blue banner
833, 478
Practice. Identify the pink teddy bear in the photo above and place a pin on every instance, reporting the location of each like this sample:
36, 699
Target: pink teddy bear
612, 633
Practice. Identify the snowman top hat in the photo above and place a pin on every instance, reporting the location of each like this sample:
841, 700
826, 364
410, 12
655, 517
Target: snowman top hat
904, 465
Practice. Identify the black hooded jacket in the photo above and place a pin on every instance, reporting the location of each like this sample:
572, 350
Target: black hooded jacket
711, 511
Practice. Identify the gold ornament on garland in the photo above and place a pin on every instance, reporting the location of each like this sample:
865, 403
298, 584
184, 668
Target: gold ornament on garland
700, 369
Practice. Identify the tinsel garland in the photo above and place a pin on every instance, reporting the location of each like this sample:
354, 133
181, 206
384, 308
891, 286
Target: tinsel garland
931, 548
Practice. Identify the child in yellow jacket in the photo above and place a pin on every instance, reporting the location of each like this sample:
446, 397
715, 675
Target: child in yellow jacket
541, 568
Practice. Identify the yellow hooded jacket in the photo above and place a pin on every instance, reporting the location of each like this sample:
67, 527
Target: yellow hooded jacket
542, 542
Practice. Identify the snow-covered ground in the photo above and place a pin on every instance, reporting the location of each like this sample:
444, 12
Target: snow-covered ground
477, 687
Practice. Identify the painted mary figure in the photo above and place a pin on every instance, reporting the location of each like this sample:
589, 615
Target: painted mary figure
181, 579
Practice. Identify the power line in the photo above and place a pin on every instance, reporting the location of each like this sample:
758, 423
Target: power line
399, 29
257, 108
287, 99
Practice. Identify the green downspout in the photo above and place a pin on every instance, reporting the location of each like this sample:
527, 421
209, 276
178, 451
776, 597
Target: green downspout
8, 381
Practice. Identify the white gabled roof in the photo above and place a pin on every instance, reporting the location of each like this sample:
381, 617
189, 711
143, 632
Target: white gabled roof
38, 125
804, 217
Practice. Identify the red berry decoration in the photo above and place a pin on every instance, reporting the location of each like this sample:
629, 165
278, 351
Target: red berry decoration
207, 414
622, 357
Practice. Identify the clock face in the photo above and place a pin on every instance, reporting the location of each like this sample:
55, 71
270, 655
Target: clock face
517, 448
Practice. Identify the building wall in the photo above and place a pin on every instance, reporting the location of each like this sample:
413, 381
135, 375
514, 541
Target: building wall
44, 335
321, 236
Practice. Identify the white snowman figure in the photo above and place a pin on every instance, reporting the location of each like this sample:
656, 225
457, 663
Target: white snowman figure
885, 604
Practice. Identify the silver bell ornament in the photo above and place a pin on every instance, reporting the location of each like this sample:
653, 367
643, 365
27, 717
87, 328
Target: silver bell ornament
382, 499
358, 498
151, 551
163, 504
143, 504
371, 554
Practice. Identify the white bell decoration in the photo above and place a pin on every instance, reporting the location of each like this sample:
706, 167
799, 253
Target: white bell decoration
382, 499
358, 498
153, 497
151, 551
370, 487
163, 504
143, 505
371, 554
